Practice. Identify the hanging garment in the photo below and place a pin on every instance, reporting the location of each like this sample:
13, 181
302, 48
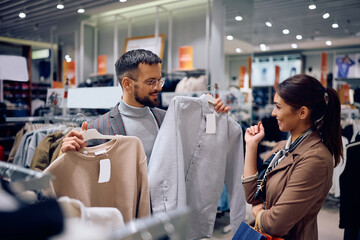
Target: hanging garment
77, 176
27, 128
47, 151
349, 185
189, 166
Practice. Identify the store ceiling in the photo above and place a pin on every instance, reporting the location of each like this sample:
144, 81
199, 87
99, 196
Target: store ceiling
42, 15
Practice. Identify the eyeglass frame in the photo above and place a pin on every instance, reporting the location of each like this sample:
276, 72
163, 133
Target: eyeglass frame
160, 81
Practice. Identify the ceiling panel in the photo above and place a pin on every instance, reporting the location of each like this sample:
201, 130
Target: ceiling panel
42, 16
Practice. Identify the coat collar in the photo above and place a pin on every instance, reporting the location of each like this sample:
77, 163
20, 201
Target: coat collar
309, 141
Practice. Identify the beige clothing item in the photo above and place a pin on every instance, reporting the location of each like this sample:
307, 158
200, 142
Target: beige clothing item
76, 176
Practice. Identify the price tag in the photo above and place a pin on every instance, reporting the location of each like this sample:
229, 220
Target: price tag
105, 170
210, 123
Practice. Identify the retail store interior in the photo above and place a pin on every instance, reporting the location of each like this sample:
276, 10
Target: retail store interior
57, 69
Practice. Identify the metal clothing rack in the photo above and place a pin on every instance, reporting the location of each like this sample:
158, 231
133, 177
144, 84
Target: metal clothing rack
172, 224
22, 179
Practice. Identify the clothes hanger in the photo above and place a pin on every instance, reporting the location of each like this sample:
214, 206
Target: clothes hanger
94, 134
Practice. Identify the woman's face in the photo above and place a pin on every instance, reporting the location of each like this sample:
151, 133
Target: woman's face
287, 118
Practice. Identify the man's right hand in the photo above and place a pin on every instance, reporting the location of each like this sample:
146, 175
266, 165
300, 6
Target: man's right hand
73, 140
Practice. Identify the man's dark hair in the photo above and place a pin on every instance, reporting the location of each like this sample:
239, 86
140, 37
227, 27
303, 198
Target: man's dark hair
128, 63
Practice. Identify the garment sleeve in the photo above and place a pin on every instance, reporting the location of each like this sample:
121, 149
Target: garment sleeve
305, 188
234, 171
143, 208
166, 166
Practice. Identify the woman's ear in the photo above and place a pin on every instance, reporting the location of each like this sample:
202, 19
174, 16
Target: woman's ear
304, 112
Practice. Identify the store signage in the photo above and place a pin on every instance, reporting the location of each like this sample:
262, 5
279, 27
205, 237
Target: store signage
242, 72
277, 76
69, 72
324, 69
101, 65
40, 54
186, 58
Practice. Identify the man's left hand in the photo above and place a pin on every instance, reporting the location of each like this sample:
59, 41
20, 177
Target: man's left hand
220, 106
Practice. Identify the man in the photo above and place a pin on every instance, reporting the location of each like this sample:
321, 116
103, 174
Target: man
139, 74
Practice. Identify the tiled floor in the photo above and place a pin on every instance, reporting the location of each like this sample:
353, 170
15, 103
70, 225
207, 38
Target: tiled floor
328, 223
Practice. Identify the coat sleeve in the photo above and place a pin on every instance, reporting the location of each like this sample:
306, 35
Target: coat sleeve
234, 171
305, 188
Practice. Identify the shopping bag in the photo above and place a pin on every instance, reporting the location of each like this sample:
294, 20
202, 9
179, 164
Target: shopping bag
246, 232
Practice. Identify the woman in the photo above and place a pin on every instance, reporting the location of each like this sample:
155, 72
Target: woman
289, 190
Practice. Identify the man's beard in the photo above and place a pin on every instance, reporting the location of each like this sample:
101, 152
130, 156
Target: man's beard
145, 100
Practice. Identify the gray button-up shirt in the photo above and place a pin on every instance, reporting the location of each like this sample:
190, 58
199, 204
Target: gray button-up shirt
188, 167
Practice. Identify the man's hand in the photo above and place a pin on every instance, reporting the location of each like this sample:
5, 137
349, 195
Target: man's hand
73, 140
220, 106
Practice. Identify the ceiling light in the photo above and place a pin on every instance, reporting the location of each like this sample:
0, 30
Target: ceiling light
335, 25
22, 14
268, 24
238, 18
298, 37
229, 37
329, 43
326, 15
122, 0
312, 6
60, 6
286, 31
81, 10
294, 45
263, 47
238, 50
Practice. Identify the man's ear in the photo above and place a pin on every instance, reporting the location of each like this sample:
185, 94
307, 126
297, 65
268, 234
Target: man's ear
304, 112
126, 82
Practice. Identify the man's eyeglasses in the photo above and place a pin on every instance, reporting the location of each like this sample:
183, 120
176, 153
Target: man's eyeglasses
153, 83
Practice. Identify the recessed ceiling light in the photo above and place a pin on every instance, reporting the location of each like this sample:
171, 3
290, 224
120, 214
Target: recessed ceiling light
294, 45
329, 43
263, 47
286, 31
81, 10
335, 25
60, 6
22, 15
326, 15
122, 0
269, 24
238, 18
312, 6
229, 37
238, 50
298, 37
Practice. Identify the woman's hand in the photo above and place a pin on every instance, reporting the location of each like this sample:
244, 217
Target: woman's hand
256, 209
254, 134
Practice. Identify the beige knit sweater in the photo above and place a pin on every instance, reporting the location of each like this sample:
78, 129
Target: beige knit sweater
77, 173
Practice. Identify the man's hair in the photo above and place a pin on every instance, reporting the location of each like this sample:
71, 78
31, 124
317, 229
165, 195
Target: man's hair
128, 63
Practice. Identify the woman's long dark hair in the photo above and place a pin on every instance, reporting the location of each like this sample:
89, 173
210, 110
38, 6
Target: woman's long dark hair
324, 104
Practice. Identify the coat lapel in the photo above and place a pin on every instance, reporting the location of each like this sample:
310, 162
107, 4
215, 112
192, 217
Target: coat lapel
116, 121
311, 140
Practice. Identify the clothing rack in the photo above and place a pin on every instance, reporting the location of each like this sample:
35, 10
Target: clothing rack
172, 224
22, 179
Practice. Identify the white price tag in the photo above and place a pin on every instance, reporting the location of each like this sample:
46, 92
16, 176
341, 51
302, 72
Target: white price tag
105, 170
210, 123
100, 152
